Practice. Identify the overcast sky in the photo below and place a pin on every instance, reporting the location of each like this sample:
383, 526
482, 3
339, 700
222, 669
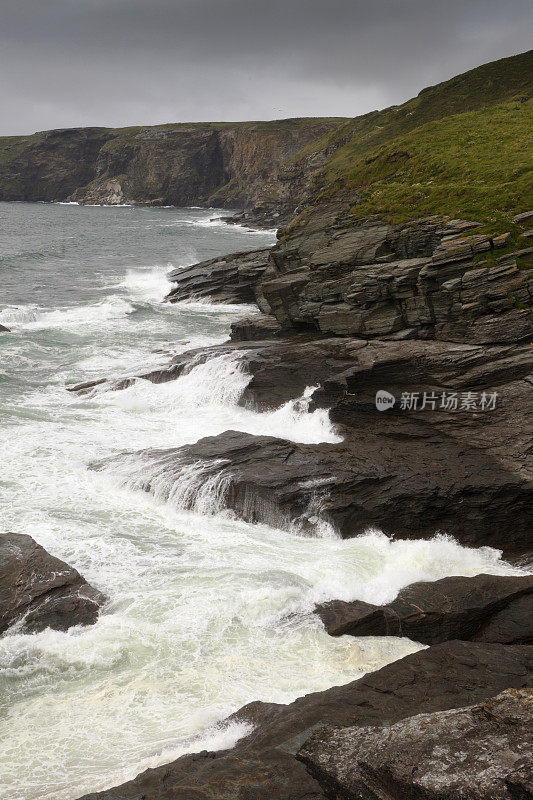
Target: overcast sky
65, 63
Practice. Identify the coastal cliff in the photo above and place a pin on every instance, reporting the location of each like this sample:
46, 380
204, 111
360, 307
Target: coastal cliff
407, 269
399, 162
230, 165
404, 268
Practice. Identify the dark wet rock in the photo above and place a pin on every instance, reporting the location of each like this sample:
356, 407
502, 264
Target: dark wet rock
263, 766
411, 472
256, 327
39, 591
485, 608
475, 753
3, 329
412, 486
280, 370
228, 279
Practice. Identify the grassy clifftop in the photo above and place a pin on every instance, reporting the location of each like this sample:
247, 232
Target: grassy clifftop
462, 147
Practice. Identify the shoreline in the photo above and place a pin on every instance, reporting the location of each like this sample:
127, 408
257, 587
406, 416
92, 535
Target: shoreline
291, 358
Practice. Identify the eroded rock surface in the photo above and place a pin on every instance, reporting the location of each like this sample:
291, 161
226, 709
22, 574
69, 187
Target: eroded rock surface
424, 278
39, 591
475, 753
485, 608
263, 766
228, 279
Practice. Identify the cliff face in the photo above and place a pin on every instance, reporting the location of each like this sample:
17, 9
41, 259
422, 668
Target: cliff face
224, 164
49, 165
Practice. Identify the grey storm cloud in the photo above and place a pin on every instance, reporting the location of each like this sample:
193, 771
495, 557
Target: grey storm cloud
66, 63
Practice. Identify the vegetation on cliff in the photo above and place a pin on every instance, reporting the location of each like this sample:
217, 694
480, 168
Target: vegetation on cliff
461, 148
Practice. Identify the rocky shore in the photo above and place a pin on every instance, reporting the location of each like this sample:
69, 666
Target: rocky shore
399, 298
352, 310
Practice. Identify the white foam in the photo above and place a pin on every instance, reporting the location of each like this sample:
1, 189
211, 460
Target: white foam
293, 421
203, 609
206, 399
150, 284
35, 318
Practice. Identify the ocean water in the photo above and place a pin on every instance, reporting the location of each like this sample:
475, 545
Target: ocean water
205, 613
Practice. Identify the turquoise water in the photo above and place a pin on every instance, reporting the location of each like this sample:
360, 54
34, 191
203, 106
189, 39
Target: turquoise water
205, 613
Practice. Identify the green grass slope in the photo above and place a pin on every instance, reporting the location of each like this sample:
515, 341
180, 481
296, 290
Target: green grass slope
463, 148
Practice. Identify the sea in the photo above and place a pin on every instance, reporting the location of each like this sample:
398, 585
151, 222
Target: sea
206, 613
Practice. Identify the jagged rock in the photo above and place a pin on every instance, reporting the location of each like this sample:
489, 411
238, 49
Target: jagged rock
229, 279
474, 753
263, 766
485, 608
3, 329
347, 277
39, 591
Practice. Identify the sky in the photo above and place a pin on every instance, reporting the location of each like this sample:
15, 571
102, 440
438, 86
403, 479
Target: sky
68, 63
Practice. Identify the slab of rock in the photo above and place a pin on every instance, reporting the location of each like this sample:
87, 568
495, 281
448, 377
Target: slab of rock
484, 608
228, 279
263, 766
39, 591
255, 328
412, 470
411, 486
475, 753
523, 217
3, 329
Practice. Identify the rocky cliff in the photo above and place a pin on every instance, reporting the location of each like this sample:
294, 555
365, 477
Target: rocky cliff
435, 153
407, 269
234, 165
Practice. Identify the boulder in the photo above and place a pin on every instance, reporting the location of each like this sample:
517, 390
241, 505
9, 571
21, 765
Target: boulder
485, 608
480, 752
263, 765
39, 591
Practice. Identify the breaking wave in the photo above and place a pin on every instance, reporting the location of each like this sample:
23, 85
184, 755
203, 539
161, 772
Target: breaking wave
76, 318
